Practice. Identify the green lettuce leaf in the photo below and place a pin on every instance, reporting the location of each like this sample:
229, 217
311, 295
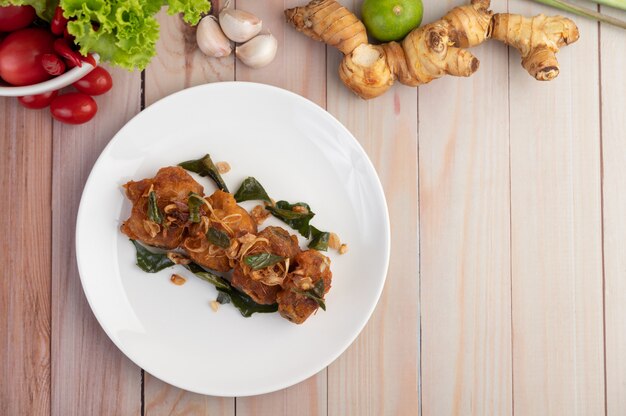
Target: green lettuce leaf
122, 32
192, 10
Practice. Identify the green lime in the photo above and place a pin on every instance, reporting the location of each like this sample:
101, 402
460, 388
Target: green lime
388, 20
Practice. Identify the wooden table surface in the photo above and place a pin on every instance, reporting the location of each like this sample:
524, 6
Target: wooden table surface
506, 292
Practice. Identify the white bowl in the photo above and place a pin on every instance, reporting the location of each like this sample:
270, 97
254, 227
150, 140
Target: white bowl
52, 84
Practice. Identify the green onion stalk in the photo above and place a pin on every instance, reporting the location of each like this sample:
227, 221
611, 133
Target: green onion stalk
590, 13
617, 4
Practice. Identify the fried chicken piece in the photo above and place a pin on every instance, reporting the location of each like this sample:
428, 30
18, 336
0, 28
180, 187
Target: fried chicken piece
227, 217
259, 292
309, 268
263, 285
172, 186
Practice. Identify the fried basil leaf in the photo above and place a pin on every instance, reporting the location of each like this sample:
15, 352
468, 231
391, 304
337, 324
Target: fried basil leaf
319, 239
245, 304
194, 202
217, 281
205, 167
251, 190
151, 262
262, 260
154, 213
218, 237
298, 219
316, 293
228, 294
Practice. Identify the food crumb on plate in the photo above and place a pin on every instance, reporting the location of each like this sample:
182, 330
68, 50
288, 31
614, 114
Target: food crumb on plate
223, 167
334, 242
178, 280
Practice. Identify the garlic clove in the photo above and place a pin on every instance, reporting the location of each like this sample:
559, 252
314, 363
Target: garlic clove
210, 38
238, 25
259, 51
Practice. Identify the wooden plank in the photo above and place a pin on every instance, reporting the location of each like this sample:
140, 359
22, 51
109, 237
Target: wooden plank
300, 63
89, 374
25, 167
464, 237
178, 65
614, 177
556, 232
299, 66
378, 374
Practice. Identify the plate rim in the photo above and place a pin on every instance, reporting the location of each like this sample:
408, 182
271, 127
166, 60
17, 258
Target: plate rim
387, 238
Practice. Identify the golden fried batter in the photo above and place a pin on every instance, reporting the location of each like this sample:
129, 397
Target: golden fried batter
259, 292
172, 186
222, 213
309, 267
263, 285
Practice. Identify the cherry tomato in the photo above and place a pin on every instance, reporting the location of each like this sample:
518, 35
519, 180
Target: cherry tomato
73, 108
38, 101
96, 82
20, 56
15, 17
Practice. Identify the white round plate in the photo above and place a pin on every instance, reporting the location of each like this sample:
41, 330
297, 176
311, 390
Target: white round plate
298, 152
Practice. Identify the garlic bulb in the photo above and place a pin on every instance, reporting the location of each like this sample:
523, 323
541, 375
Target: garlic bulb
238, 25
211, 40
259, 51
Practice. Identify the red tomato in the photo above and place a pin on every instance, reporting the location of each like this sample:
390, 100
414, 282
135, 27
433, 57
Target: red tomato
15, 17
96, 82
20, 56
73, 108
38, 101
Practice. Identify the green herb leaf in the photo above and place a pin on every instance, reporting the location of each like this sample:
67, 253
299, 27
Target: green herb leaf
217, 281
205, 167
245, 304
194, 202
316, 293
319, 239
251, 190
218, 237
151, 262
262, 260
227, 293
297, 220
154, 213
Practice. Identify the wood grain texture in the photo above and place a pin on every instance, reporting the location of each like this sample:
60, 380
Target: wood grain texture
378, 374
180, 64
25, 165
614, 179
299, 66
464, 237
558, 362
90, 376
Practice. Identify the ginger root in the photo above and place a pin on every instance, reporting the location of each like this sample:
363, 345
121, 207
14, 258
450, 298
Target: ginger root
433, 50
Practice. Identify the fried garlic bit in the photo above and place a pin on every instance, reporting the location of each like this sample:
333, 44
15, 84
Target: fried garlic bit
333, 241
222, 167
178, 258
215, 305
343, 249
177, 279
259, 214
